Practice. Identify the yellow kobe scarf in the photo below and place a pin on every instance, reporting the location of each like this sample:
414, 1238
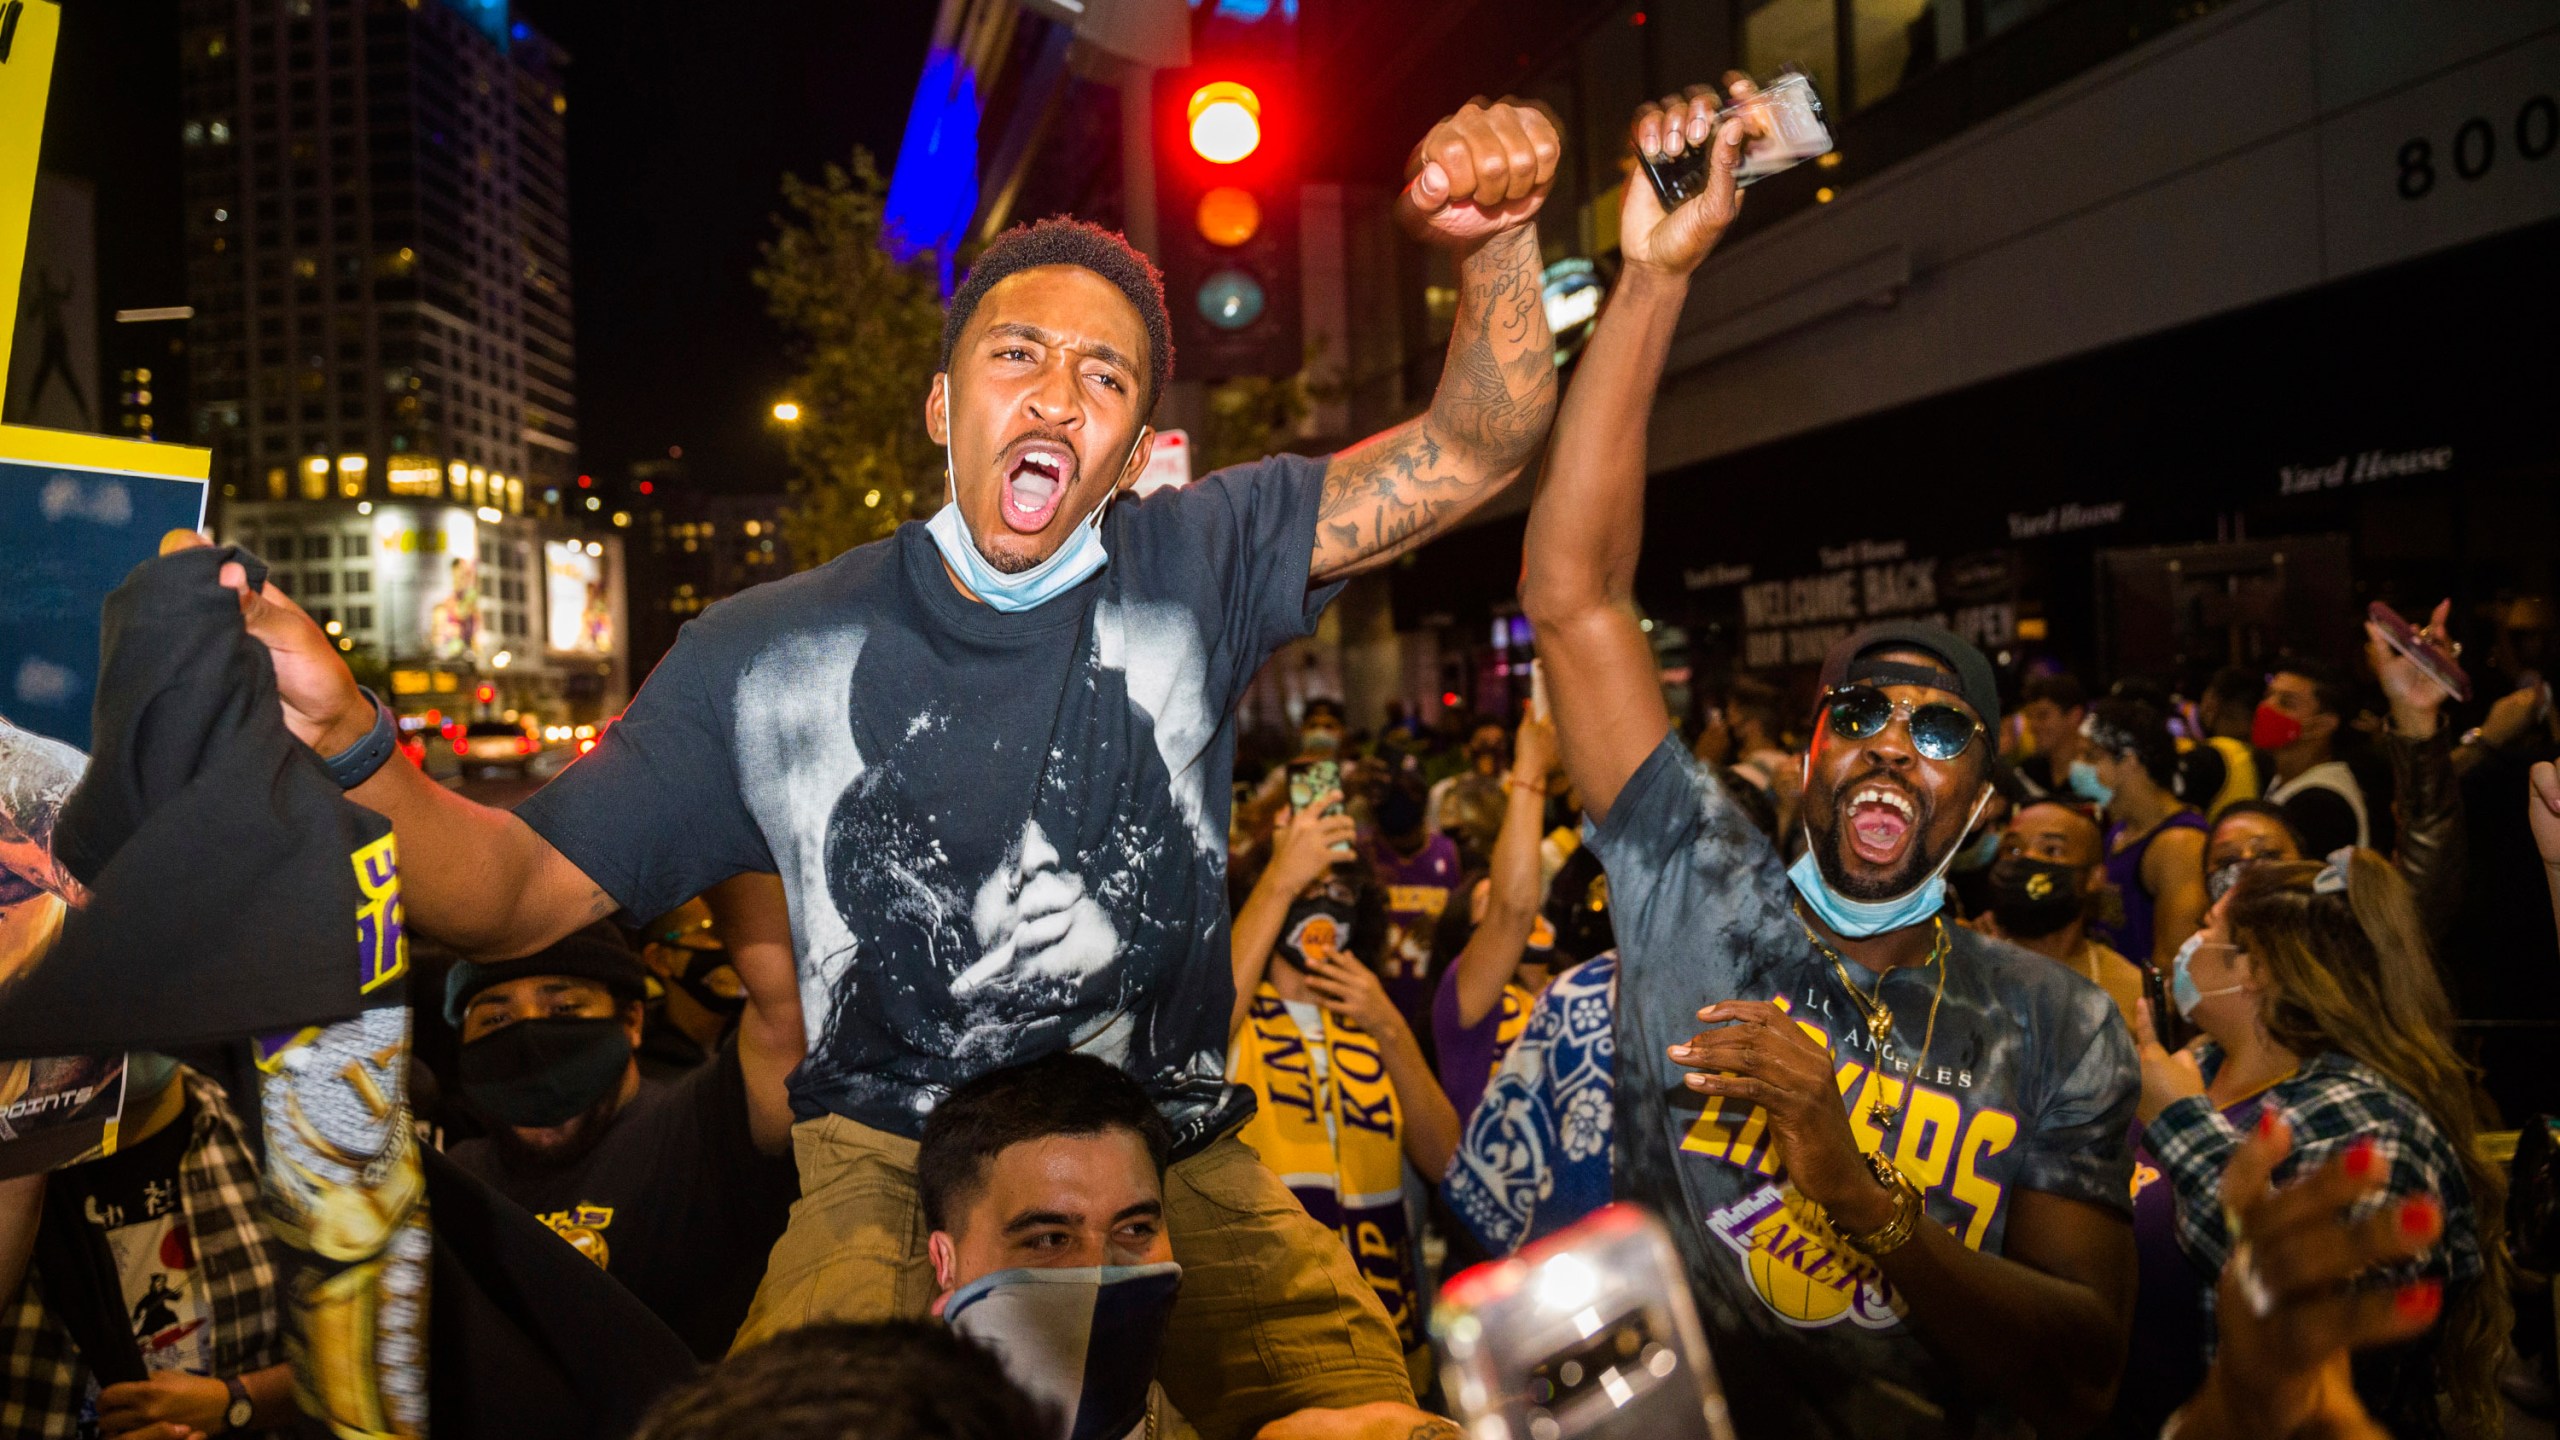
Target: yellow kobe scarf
1338, 1138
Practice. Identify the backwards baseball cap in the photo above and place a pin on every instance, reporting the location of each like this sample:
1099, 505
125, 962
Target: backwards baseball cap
1961, 670
586, 954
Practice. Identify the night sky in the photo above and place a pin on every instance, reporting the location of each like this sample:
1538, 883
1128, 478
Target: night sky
682, 121
681, 124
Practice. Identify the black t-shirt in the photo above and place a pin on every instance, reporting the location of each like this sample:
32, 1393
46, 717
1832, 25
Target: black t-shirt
675, 1202
1003, 835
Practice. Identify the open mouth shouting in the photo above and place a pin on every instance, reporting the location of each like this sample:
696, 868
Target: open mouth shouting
1036, 480
1882, 820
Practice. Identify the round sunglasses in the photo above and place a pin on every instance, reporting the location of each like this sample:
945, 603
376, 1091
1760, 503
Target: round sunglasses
1939, 731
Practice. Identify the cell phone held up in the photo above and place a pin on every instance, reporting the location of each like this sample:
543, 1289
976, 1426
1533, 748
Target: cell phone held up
1587, 1333
2422, 650
1312, 780
1793, 111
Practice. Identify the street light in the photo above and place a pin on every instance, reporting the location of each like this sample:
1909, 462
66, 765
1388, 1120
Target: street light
788, 412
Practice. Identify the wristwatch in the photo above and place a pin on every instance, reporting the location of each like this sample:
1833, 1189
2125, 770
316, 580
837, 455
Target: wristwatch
355, 765
242, 1408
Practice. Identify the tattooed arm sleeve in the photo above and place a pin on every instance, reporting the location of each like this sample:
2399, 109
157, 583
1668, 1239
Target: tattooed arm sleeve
1497, 396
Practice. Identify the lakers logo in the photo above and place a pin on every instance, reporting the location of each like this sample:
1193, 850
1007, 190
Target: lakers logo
2144, 1174
2039, 885
1800, 1267
1318, 937
583, 1227
382, 940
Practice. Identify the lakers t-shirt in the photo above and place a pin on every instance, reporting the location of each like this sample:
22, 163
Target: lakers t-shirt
2028, 1085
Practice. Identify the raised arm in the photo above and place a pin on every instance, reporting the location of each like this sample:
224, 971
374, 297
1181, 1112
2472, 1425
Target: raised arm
1476, 182
1493, 952
1577, 583
477, 879
754, 921
1301, 850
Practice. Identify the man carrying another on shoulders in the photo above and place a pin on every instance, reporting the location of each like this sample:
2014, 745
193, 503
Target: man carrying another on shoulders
1895, 1156
678, 1188
989, 757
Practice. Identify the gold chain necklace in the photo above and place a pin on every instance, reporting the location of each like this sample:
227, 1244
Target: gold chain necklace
1879, 1016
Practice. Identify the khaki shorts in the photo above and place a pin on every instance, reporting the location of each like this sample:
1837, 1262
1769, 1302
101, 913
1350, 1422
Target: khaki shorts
1274, 1316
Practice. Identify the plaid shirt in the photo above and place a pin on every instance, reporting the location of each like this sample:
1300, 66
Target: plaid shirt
241, 1265
2331, 1102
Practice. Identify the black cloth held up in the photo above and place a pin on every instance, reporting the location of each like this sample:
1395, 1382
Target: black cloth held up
222, 862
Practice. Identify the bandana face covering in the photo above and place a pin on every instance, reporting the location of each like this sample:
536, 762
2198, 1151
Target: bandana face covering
539, 1073
1082, 1342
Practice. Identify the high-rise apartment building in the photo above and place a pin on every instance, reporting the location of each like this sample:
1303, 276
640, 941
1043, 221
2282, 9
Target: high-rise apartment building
377, 216
378, 261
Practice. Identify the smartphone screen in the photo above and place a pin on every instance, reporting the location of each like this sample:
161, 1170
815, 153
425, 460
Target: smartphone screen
1312, 780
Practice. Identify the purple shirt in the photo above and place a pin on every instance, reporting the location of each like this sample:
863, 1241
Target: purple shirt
1467, 1055
1417, 891
2167, 1359
2132, 939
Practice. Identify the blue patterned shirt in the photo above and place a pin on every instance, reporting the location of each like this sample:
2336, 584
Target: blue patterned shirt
1535, 1157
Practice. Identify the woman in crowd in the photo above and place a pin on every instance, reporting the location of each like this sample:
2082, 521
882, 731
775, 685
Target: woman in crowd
1484, 995
2155, 841
2318, 1002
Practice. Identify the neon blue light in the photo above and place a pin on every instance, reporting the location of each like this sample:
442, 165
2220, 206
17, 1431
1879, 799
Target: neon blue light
489, 17
933, 192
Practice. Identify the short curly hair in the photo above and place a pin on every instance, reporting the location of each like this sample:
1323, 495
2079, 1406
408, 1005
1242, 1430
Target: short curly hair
893, 1380
1060, 240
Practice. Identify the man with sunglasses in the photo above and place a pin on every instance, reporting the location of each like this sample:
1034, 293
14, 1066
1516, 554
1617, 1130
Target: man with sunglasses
1893, 1151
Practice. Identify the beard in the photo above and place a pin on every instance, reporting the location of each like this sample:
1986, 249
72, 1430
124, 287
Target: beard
577, 1139
1830, 846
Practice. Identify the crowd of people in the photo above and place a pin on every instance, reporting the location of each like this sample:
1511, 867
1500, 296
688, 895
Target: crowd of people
997, 1060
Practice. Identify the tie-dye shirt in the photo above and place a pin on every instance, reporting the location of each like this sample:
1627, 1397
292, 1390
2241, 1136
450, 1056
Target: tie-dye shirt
1003, 835
2028, 1083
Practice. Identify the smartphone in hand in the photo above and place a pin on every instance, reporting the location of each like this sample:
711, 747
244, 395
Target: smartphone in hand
1588, 1333
2422, 650
1794, 113
1312, 780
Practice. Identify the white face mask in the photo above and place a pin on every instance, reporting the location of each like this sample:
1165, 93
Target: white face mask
2182, 981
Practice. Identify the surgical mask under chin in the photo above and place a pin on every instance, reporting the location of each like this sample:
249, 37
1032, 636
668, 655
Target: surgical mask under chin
1075, 561
540, 1073
2182, 981
2084, 782
1082, 1342
1858, 919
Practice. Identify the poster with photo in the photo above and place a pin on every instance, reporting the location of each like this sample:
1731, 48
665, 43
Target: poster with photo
77, 512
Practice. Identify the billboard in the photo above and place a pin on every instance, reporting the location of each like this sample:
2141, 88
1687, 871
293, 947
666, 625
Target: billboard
577, 597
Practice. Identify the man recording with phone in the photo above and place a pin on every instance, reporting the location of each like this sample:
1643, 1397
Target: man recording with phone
1892, 1151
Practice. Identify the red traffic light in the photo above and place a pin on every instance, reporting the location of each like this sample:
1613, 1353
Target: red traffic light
1226, 122
486, 694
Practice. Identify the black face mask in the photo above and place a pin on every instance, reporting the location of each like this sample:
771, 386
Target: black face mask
540, 1073
700, 965
2033, 898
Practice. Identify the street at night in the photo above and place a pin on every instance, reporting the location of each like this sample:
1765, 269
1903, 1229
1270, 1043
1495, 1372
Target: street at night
1279, 719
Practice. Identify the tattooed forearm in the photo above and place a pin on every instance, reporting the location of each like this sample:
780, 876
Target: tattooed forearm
1497, 397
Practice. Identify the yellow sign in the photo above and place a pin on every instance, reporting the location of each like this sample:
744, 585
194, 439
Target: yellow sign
28, 30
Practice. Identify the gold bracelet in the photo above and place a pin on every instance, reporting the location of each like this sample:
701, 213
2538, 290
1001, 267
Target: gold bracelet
1897, 1231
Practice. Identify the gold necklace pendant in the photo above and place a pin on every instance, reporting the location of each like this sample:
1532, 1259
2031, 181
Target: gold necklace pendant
1882, 1115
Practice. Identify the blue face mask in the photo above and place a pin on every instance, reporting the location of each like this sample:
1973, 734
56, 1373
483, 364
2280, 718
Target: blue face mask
1980, 855
1075, 562
2182, 981
2084, 783
1858, 919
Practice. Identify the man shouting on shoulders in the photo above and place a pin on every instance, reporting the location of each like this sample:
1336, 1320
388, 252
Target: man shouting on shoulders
1893, 1151
989, 755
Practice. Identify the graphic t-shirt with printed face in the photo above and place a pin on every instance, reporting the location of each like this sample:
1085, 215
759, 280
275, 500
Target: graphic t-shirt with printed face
1003, 835
133, 1197
2029, 1084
